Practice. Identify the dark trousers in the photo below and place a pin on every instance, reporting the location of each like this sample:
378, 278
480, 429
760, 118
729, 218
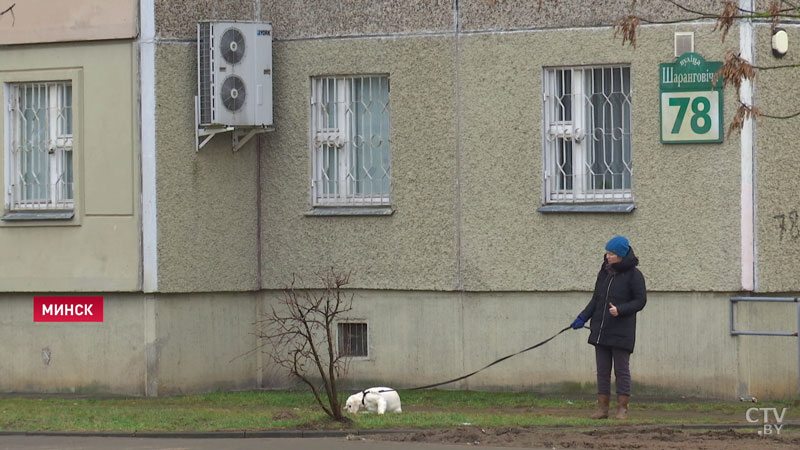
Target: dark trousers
620, 358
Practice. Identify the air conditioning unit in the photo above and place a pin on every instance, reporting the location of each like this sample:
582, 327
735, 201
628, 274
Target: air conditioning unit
234, 74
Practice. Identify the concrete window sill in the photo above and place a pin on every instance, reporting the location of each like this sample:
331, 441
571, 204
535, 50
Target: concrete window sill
351, 211
38, 215
613, 208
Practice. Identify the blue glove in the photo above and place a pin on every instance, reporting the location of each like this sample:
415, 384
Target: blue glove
578, 323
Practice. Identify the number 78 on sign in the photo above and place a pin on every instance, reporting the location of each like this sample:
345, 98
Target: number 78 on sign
691, 106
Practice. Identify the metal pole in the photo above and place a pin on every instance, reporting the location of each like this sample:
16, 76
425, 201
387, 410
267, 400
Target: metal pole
732, 302
769, 333
762, 333
765, 299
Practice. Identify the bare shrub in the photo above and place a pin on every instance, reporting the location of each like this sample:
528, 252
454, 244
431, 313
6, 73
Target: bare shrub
301, 337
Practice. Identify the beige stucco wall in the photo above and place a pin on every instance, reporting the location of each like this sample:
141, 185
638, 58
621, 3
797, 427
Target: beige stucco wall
146, 345
37, 21
98, 249
207, 200
768, 365
204, 342
777, 168
168, 344
73, 357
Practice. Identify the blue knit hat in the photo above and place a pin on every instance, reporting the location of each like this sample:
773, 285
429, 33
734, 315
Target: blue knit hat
619, 246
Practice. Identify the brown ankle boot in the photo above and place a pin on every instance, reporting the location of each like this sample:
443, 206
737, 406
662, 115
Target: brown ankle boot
622, 405
603, 400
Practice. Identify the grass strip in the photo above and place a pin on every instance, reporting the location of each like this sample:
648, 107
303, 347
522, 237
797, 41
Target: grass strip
276, 410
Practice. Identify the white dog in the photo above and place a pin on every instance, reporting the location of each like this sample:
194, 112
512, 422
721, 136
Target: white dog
376, 399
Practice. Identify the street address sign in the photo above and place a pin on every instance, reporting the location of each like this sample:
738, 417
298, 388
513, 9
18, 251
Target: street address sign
691, 106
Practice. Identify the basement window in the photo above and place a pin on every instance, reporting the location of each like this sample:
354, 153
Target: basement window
352, 338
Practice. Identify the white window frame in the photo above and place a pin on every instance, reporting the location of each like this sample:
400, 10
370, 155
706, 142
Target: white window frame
576, 130
340, 137
58, 143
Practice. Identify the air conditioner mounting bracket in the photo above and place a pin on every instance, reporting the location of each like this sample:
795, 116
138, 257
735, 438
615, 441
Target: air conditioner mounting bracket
239, 136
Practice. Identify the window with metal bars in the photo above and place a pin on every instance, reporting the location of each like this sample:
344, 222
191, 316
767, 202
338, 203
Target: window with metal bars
39, 151
350, 119
587, 134
352, 339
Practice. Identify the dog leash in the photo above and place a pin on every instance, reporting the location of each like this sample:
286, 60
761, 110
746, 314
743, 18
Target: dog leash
463, 377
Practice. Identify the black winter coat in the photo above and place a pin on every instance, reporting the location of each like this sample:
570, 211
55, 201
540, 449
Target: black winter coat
623, 285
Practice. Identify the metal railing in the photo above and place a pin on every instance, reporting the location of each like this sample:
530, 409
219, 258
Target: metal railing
796, 300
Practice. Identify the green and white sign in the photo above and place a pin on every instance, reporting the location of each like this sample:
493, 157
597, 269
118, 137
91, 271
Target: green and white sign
691, 108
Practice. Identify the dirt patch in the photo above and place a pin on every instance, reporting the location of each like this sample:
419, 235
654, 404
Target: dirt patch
285, 415
623, 437
638, 415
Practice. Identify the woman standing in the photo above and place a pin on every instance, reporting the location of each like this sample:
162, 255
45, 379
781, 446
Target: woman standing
619, 293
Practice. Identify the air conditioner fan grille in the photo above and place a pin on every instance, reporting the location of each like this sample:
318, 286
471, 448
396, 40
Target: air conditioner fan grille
233, 93
232, 45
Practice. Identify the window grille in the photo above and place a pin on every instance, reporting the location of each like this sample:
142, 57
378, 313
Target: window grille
352, 339
587, 134
350, 141
40, 174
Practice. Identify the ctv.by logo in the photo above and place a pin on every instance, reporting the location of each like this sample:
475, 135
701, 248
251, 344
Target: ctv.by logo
768, 426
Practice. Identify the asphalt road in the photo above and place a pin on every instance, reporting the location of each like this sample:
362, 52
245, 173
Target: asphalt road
119, 443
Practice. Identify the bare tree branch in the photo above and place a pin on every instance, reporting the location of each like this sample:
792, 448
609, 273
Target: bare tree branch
725, 20
627, 27
684, 8
779, 66
302, 337
10, 9
743, 113
735, 70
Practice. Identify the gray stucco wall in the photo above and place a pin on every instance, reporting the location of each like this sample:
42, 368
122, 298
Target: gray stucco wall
777, 168
418, 338
451, 104
415, 248
522, 14
488, 135
510, 246
207, 200
307, 18
310, 18
300, 19
177, 19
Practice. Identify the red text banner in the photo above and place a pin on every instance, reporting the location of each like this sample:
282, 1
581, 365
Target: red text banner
67, 309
